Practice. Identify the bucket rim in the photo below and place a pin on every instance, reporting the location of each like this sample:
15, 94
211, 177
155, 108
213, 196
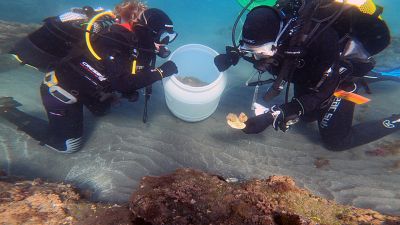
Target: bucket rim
191, 88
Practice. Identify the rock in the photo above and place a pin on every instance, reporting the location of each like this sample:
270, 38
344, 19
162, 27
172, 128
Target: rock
184, 197
194, 197
38, 202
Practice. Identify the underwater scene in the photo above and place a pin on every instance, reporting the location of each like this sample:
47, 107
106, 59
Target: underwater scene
169, 94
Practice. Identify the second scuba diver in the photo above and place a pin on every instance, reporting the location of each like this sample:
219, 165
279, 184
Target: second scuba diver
121, 60
321, 47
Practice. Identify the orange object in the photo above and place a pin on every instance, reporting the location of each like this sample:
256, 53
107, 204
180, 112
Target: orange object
358, 99
127, 26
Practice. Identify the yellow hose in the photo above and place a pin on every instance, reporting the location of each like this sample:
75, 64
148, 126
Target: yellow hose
89, 28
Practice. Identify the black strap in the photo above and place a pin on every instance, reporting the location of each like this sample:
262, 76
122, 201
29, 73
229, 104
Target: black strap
147, 93
378, 11
299, 39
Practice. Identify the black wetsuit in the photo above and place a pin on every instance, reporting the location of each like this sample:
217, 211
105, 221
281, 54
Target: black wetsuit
93, 82
334, 115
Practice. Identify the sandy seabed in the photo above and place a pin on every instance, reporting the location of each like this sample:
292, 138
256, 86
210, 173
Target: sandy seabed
120, 149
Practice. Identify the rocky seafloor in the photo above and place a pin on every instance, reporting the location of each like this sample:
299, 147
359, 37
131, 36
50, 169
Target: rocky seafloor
186, 196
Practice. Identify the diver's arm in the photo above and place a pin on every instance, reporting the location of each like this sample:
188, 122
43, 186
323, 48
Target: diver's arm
125, 82
283, 116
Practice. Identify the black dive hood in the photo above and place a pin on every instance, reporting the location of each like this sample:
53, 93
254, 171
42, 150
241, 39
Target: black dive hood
160, 29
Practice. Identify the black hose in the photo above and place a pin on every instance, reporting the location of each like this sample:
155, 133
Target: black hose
117, 41
147, 93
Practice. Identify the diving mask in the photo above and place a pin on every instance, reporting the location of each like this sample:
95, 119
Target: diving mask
266, 50
165, 37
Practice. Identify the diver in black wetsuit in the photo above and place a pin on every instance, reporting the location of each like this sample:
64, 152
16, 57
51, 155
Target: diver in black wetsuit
319, 57
124, 64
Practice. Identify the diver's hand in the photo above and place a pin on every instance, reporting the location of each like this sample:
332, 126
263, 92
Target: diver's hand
257, 124
168, 68
286, 115
230, 58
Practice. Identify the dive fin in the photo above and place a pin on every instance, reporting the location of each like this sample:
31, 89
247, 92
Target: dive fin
375, 76
34, 127
394, 72
8, 102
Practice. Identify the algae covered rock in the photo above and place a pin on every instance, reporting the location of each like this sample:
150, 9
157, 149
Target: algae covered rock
194, 197
38, 202
186, 196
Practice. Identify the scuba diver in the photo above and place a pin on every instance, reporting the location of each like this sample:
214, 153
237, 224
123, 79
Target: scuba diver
322, 47
120, 59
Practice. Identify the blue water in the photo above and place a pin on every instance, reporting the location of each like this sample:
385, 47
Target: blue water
120, 149
189, 16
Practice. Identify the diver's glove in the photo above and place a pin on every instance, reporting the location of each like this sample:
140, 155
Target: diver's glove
286, 114
230, 58
280, 117
258, 124
167, 69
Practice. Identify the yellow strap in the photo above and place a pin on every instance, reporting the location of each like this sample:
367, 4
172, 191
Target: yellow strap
89, 28
53, 79
134, 67
160, 72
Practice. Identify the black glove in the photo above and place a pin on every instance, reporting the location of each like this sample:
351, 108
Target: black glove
281, 118
257, 124
168, 68
230, 58
286, 115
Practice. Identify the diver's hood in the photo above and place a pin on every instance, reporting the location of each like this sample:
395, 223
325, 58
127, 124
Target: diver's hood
157, 22
261, 26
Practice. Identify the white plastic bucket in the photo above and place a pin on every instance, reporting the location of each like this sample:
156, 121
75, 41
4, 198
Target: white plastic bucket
194, 93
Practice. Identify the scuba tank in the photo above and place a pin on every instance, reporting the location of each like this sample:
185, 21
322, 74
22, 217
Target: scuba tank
48, 45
